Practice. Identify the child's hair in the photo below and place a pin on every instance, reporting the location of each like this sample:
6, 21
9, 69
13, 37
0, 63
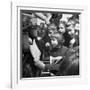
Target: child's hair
64, 23
52, 24
74, 18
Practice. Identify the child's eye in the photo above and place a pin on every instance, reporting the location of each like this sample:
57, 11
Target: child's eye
61, 27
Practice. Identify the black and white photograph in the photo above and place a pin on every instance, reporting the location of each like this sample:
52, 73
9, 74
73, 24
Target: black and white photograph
49, 43
45, 45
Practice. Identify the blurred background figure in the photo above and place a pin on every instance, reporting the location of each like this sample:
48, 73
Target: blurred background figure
73, 30
56, 18
65, 17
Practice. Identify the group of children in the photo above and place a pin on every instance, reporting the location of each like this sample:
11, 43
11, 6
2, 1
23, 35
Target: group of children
51, 45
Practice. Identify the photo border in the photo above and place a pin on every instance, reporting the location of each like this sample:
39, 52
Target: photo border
15, 62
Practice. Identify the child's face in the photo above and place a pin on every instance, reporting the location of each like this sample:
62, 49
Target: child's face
51, 30
54, 42
77, 28
71, 30
34, 21
61, 28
